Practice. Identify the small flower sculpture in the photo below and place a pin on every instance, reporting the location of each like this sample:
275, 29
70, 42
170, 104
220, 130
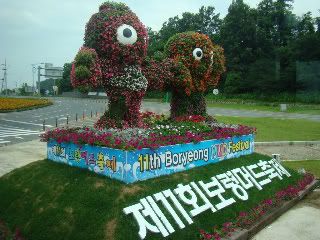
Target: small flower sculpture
198, 63
115, 45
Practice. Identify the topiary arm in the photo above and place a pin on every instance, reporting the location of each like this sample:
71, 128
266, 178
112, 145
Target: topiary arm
86, 70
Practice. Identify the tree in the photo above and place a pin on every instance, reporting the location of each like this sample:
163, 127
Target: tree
306, 25
238, 36
65, 83
205, 21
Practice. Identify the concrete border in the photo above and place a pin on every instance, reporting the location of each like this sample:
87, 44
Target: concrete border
246, 234
286, 143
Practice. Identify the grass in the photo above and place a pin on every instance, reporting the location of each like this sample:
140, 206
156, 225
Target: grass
22, 104
312, 166
47, 200
306, 109
270, 129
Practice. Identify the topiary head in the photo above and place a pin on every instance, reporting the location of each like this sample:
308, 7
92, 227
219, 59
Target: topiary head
117, 34
197, 53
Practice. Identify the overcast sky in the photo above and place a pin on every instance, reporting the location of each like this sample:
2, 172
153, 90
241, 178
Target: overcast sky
52, 31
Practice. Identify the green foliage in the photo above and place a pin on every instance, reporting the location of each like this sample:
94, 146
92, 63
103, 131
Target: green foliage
232, 83
82, 72
238, 33
64, 84
206, 21
85, 58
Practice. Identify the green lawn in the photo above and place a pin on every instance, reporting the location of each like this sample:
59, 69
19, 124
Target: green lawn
48, 201
312, 166
308, 109
270, 129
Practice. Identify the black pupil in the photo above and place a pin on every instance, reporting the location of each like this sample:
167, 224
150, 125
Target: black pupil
127, 32
199, 53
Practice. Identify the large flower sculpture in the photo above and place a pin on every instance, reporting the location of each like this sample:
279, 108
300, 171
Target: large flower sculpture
115, 45
198, 63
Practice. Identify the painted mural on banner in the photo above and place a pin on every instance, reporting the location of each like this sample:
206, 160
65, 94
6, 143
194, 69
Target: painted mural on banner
185, 202
132, 166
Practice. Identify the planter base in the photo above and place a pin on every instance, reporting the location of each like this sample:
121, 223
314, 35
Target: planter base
132, 166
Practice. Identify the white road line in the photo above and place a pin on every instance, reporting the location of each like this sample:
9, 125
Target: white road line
35, 124
19, 137
23, 134
16, 132
15, 128
9, 127
4, 142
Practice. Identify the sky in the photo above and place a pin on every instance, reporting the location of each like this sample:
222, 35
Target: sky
52, 31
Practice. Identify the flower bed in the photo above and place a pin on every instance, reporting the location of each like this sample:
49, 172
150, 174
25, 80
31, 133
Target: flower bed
162, 147
245, 220
12, 104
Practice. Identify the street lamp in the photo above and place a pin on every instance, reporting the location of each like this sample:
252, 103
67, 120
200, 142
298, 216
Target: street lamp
34, 69
5, 75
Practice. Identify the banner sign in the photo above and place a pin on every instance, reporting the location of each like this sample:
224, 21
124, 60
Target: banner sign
187, 201
132, 166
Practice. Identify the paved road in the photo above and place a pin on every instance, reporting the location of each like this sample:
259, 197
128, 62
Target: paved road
24, 126
165, 108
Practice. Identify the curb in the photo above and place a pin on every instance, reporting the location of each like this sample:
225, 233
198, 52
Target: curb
286, 143
246, 234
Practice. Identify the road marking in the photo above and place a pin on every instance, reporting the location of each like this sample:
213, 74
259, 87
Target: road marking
16, 129
4, 142
35, 124
19, 137
19, 134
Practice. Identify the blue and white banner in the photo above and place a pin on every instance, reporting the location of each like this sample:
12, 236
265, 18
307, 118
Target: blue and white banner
132, 166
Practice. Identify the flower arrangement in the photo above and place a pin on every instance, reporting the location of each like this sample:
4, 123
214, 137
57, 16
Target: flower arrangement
155, 131
115, 44
158, 73
10, 104
198, 64
247, 219
132, 80
86, 71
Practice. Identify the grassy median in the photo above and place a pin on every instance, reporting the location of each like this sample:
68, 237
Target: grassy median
271, 129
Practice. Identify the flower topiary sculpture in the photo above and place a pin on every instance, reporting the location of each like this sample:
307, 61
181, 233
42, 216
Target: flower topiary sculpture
115, 45
198, 63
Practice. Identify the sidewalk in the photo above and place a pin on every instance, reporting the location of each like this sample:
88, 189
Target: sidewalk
21, 154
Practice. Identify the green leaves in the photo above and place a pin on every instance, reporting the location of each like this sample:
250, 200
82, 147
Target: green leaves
82, 72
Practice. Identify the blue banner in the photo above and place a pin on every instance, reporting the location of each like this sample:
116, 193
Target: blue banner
132, 166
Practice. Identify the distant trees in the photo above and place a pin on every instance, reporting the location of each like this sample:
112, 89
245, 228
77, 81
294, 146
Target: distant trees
64, 84
263, 46
205, 21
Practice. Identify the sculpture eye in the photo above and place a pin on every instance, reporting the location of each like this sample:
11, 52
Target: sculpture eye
197, 53
126, 34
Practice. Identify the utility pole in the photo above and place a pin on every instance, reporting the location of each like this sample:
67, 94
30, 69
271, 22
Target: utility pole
39, 68
5, 76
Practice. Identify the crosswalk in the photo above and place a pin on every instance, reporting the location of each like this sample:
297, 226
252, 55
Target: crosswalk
7, 134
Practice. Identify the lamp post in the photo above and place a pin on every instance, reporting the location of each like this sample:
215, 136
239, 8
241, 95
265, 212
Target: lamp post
34, 67
5, 75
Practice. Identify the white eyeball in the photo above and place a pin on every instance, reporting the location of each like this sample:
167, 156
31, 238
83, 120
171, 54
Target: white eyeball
126, 34
197, 53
